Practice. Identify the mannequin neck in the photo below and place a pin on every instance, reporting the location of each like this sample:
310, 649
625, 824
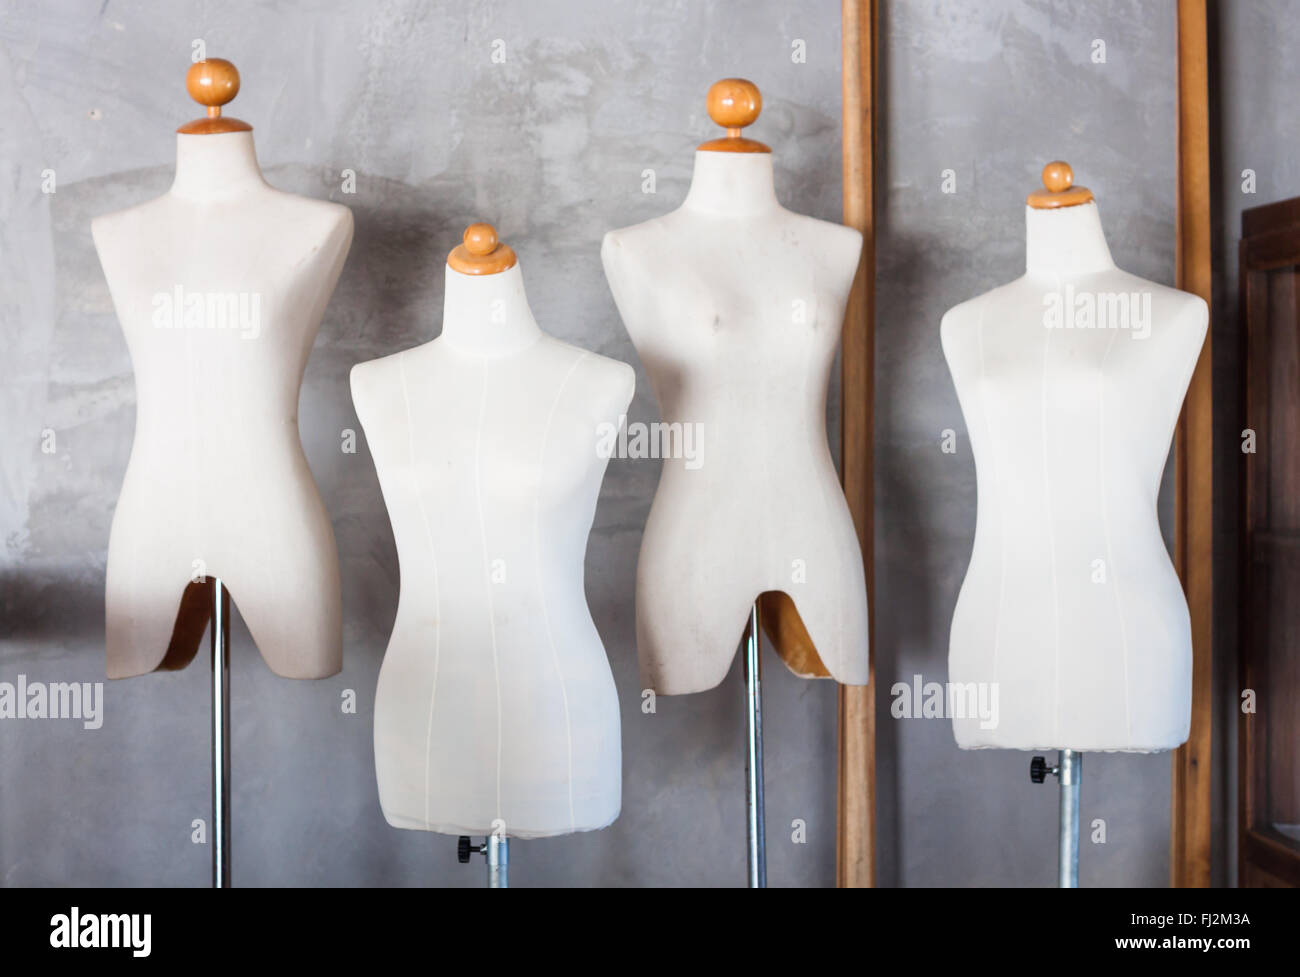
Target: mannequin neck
487, 315
732, 184
216, 166
1066, 241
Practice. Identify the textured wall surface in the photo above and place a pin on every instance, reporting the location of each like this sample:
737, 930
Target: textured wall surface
551, 146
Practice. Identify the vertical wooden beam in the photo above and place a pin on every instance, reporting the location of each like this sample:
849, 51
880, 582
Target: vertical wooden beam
1189, 836
855, 837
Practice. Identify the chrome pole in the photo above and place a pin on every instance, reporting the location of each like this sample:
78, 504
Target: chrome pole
1070, 774
498, 861
754, 832
220, 735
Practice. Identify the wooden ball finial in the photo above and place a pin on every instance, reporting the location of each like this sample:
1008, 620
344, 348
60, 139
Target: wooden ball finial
734, 103
1058, 179
1058, 175
481, 239
213, 82
481, 252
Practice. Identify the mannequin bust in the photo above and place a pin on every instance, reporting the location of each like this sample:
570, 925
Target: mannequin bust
220, 285
1071, 379
496, 710
735, 306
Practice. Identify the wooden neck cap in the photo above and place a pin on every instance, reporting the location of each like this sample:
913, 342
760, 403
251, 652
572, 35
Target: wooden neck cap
1058, 179
213, 82
733, 104
482, 253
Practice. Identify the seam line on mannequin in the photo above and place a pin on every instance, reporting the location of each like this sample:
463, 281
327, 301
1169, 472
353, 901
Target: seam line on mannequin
266, 530
194, 537
482, 528
1105, 525
437, 600
537, 563
197, 542
764, 482
1051, 543
830, 507
1002, 538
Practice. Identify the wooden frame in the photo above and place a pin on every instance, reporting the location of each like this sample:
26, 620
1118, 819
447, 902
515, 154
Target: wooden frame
855, 863
1190, 802
1270, 241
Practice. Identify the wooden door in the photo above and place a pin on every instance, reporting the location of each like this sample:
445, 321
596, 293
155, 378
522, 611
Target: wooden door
1269, 742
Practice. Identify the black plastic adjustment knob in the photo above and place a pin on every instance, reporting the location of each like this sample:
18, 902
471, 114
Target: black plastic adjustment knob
463, 849
1038, 769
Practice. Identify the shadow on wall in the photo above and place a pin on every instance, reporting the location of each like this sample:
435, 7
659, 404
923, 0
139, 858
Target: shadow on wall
43, 603
908, 607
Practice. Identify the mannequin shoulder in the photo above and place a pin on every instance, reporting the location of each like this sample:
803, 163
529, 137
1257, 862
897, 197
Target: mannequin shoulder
835, 238
613, 385
961, 323
627, 248
615, 379
967, 314
1187, 315
961, 314
605, 383
374, 382
835, 246
120, 226
1188, 309
322, 218
1190, 317
285, 215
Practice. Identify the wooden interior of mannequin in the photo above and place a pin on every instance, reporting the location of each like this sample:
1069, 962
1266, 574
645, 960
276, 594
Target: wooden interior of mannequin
213, 82
191, 623
735, 103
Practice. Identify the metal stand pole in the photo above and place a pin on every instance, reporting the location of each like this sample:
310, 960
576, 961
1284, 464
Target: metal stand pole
220, 735
498, 861
1070, 767
496, 850
755, 834
1069, 772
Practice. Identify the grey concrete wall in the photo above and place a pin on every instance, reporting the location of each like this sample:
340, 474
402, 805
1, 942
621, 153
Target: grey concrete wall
551, 147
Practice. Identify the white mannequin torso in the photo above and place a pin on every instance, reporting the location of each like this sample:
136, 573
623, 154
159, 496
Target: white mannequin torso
735, 306
496, 708
1071, 604
217, 484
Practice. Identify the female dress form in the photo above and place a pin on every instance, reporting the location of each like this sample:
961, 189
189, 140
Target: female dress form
496, 711
1071, 379
735, 306
220, 285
